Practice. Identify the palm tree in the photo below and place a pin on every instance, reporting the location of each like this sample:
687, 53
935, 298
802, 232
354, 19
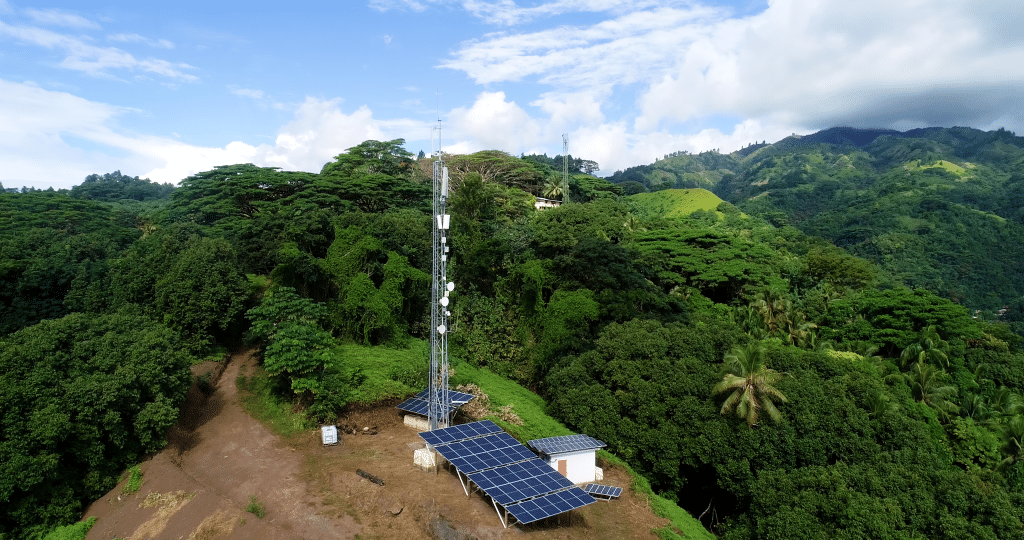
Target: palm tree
879, 404
1013, 440
557, 187
1005, 403
976, 408
749, 384
929, 347
926, 386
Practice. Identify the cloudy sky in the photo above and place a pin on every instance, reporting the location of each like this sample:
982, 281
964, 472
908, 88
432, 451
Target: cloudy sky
166, 89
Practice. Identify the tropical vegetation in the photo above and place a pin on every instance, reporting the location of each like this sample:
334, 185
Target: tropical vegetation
831, 350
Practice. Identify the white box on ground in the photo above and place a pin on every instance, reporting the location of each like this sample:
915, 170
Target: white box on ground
329, 435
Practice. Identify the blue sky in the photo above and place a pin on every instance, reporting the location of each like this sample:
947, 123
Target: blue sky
167, 89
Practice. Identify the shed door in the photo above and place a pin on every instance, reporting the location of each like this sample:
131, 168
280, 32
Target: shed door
562, 467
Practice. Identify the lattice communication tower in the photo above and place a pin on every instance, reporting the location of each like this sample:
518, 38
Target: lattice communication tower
440, 288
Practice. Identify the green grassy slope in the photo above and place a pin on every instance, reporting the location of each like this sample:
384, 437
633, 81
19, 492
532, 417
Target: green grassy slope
674, 203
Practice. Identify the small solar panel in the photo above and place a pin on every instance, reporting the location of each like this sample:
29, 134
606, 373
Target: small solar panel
549, 505
420, 407
456, 398
566, 443
610, 492
460, 432
520, 481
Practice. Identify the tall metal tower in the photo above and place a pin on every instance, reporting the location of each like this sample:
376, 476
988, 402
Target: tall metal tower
440, 287
565, 158
565, 167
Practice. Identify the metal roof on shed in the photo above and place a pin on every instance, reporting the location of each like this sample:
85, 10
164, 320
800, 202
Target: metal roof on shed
565, 443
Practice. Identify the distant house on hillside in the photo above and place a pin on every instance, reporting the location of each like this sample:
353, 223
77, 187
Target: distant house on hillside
574, 456
543, 203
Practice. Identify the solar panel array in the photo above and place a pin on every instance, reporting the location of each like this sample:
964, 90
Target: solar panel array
520, 481
549, 505
486, 452
419, 404
460, 432
566, 443
609, 492
507, 471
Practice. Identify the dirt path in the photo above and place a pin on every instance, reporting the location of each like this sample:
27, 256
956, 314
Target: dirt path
218, 457
223, 456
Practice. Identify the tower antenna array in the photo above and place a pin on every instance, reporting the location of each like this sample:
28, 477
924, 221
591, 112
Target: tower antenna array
440, 288
565, 167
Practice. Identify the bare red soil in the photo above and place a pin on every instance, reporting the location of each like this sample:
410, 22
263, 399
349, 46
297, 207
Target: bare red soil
218, 457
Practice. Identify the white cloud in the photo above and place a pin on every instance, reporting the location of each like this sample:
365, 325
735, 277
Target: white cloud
795, 66
37, 124
33, 125
579, 108
58, 17
135, 38
509, 12
387, 39
491, 123
246, 92
826, 63
93, 60
616, 146
318, 131
624, 50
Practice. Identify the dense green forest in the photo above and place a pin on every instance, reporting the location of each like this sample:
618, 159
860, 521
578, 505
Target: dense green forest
938, 208
756, 360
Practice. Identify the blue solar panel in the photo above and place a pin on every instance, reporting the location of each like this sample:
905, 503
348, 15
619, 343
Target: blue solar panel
487, 452
460, 432
566, 443
419, 406
549, 505
604, 491
456, 398
520, 481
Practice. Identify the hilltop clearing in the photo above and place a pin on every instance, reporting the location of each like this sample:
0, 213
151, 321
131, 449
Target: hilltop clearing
676, 203
219, 457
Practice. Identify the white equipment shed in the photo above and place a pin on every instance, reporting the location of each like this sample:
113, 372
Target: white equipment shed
574, 456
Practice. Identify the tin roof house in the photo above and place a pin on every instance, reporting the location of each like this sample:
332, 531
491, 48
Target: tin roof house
574, 456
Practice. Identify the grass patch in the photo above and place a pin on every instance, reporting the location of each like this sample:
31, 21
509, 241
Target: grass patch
673, 203
75, 531
502, 392
257, 284
258, 399
680, 520
255, 507
387, 372
134, 482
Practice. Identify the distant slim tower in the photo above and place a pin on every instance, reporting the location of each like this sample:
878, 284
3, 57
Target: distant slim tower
437, 416
565, 167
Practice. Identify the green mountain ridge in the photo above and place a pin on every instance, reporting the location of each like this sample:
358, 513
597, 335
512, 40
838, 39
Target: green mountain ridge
939, 208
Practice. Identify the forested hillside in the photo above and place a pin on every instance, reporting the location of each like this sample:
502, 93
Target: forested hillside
938, 208
770, 381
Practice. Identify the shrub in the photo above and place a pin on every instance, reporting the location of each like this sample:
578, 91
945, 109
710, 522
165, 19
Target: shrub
255, 507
